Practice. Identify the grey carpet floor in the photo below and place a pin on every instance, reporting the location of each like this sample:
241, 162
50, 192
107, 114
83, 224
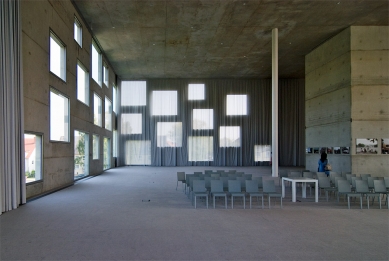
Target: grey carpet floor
136, 213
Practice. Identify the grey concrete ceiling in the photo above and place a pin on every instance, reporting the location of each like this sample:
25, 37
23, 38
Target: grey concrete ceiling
219, 38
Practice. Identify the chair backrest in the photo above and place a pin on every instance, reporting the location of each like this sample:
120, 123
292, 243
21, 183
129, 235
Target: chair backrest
191, 180
232, 176
386, 179
344, 186
199, 186
353, 179
252, 186
248, 176
282, 173
370, 181
259, 181
220, 171
324, 182
333, 176
234, 186
232, 171
198, 174
181, 176
223, 174
215, 175
308, 175
321, 174
361, 186
337, 179
216, 186
225, 181
242, 181
365, 176
348, 177
207, 182
295, 174
239, 174
207, 171
268, 186
379, 186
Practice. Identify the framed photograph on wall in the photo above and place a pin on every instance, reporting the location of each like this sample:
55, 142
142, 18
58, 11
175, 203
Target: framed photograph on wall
329, 150
308, 150
336, 150
385, 146
316, 150
366, 146
345, 150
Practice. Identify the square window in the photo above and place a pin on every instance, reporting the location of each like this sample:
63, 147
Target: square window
236, 105
82, 84
81, 154
106, 75
57, 57
96, 147
200, 148
169, 134
97, 110
77, 31
33, 157
59, 116
262, 152
96, 64
203, 119
229, 136
131, 123
196, 92
133, 93
138, 152
107, 153
164, 103
108, 114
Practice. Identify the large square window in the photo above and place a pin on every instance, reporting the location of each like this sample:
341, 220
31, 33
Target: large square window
57, 56
81, 154
138, 152
96, 64
108, 114
97, 110
229, 136
131, 123
196, 91
169, 134
82, 84
133, 93
200, 148
33, 157
106, 74
202, 119
262, 153
77, 31
164, 103
107, 153
59, 116
236, 105
96, 147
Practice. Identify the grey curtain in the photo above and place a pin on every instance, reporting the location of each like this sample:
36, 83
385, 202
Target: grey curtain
255, 127
12, 181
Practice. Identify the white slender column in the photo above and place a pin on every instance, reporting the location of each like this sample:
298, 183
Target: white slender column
275, 102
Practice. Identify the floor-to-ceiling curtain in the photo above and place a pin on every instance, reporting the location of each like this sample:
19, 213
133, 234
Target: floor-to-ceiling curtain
12, 182
161, 125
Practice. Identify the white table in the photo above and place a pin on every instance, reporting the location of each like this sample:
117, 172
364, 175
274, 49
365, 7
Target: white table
304, 182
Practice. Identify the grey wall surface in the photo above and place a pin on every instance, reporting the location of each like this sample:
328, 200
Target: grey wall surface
346, 97
38, 18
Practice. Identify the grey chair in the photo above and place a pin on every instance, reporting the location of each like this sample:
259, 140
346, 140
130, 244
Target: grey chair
198, 174
370, 183
191, 179
239, 174
207, 171
232, 176
232, 171
199, 190
259, 181
321, 174
269, 189
181, 178
307, 174
386, 179
242, 182
248, 176
253, 191
345, 189
365, 176
324, 183
380, 189
208, 182
282, 173
225, 183
353, 179
234, 189
215, 175
218, 191
363, 188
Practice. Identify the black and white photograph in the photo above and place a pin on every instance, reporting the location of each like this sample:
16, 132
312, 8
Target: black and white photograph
367, 146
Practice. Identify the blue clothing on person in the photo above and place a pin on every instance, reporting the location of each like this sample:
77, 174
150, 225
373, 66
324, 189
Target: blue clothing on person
322, 167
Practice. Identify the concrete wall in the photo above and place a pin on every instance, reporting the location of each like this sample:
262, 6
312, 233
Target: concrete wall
347, 97
38, 18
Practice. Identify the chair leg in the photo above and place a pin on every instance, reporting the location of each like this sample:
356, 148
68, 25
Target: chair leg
262, 201
250, 201
367, 198
232, 202
207, 200
213, 201
195, 197
360, 199
281, 201
244, 202
348, 202
269, 200
177, 185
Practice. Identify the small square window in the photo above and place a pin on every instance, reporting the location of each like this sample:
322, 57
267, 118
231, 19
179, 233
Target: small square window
236, 105
229, 136
96, 146
59, 116
262, 152
133, 93
164, 103
97, 110
57, 57
82, 84
138, 152
203, 119
77, 31
196, 92
169, 134
96, 64
131, 123
200, 148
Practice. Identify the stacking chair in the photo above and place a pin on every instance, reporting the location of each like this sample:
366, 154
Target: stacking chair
386, 179
235, 190
207, 171
223, 174
353, 179
345, 189
215, 175
259, 181
199, 190
282, 173
208, 183
248, 176
363, 188
321, 174
232, 176
198, 174
217, 191
295, 174
333, 177
242, 181
370, 183
232, 171
225, 182
269, 189
380, 189
324, 183
187, 180
253, 191
239, 174
349, 176
180, 178
365, 176
307, 174
191, 179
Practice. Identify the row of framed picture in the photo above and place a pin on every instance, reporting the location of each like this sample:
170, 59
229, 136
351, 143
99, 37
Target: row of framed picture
363, 146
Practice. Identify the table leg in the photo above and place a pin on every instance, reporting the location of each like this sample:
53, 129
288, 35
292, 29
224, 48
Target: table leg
316, 191
293, 191
304, 189
283, 188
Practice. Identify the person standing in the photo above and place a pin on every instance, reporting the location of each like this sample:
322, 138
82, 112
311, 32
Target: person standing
323, 161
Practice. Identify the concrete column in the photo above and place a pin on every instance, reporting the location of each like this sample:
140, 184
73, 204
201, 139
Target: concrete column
275, 102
